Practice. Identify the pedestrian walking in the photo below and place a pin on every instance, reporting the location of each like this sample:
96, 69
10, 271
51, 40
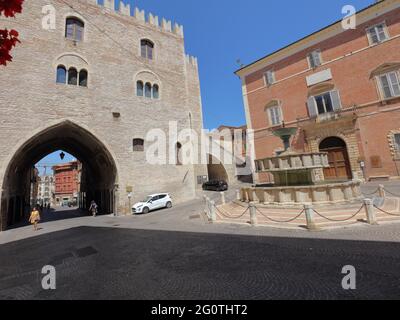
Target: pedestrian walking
35, 218
93, 208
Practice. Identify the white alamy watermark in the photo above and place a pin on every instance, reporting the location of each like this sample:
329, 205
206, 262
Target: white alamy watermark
49, 279
191, 147
349, 282
349, 22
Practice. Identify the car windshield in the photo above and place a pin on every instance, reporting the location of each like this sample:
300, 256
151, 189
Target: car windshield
147, 199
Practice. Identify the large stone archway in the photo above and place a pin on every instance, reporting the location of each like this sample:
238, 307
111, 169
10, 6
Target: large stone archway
99, 170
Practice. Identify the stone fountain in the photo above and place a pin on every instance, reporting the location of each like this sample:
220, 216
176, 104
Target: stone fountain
298, 178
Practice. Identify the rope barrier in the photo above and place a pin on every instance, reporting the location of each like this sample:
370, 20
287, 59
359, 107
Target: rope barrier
339, 220
386, 212
277, 221
392, 194
371, 194
231, 217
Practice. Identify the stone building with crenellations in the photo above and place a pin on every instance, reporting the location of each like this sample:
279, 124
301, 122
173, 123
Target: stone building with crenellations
92, 80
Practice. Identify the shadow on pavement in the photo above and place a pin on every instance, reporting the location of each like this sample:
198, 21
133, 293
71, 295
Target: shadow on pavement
103, 263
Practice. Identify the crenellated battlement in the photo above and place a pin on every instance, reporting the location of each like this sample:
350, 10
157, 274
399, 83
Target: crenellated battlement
140, 15
191, 60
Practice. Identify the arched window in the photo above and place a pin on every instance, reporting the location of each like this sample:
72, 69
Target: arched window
156, 92
147, 49
72, 76
83, 78
178, 154
147, 90
138, 145
61, 75
74, 29
139, 89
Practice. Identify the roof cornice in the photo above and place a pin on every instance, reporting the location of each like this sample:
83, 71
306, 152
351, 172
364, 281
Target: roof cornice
330, 31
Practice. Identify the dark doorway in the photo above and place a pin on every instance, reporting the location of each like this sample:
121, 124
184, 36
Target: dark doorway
339, 164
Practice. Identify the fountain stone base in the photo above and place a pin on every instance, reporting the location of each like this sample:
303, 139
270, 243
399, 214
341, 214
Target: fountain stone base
299, 179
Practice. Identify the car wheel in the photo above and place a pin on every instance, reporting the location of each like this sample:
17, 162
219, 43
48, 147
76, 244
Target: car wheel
169, 205
146, 210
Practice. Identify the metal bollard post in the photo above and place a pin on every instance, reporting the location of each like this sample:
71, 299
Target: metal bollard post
223, 201
253, 215
382, 192
213, 214
311, 226
370, 211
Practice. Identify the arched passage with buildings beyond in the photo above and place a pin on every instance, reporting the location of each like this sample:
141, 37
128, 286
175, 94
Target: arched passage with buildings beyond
98, 179
216, 170
340, 168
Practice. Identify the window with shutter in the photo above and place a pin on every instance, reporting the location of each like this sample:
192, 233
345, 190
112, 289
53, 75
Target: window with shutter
275, 115
390, 85
74, 29
314, 59
270, 78
377, 33
397, 142
324, 103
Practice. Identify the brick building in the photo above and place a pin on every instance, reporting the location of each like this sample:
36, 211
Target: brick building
340, 88
66, 181
95, 84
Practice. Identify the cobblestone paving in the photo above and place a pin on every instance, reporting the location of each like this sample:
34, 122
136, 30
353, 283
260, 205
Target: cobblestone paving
103, 263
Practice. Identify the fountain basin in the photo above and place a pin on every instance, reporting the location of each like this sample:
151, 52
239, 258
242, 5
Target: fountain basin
294, 169
333, 193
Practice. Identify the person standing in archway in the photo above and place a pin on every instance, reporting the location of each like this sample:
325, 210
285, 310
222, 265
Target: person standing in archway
93, 208
35, 218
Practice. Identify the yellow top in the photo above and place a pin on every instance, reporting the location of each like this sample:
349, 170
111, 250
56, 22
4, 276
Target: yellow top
35, 216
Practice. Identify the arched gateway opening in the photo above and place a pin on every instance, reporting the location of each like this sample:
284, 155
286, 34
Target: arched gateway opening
98, 179
339, 164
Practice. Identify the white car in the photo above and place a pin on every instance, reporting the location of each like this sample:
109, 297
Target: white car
153, 202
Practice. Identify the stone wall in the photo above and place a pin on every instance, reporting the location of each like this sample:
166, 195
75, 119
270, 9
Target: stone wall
31, 100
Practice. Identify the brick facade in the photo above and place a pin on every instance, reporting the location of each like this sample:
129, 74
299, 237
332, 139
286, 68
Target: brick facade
66, 179
366, 121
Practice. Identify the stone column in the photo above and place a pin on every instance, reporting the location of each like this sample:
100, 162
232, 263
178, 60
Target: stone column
213, 214
331, 194
370, 211
223, 201
311, 226
348, 193
238, 195
382, 192
253, 215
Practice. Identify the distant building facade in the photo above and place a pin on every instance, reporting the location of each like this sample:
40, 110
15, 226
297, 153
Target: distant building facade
341, 89
46, 190
66, 181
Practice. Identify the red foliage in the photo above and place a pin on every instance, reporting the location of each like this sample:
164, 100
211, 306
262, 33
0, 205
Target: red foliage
8, 39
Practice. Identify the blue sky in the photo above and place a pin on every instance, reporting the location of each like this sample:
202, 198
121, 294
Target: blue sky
219, 32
